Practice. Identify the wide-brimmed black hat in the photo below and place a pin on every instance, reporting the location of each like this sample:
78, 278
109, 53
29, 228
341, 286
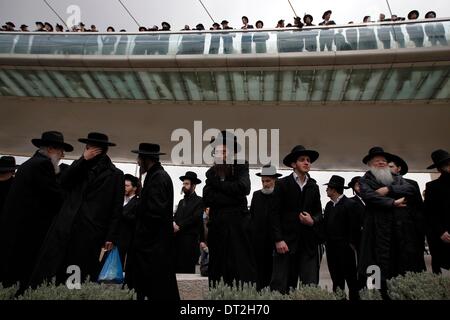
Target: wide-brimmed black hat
8, 164
336, 182
39, 23
23, 26
411, 13
326, 12
353, 181
439, 157
308, 16
376, 151
9, 23
190, 175
399, 162
430, 12
269, 171
298, 151
52, 139
97, 139
200, 27
216, 24
164, 23
149, 149
224, 22
226, 138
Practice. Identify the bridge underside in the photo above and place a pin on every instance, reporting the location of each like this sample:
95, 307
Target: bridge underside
341, 132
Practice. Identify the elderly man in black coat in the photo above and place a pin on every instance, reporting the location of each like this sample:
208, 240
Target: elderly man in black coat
342, 228
33, 201
151, 265
225, 193
389, 235
89, 218
187, 225
263, 245
437, 207
296, 224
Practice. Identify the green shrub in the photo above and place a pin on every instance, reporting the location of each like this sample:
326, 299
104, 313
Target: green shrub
419, 286
366, 294
88, 291
8, 293
246, 291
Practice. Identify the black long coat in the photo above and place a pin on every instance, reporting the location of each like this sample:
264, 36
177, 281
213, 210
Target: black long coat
389, 236
88, 218
263, 244
230, 253
4, 190
151, 267
34, 199
189, 217
290, 200
127, 228
437, 206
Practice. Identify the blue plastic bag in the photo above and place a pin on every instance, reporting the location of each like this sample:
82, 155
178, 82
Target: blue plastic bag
112, 269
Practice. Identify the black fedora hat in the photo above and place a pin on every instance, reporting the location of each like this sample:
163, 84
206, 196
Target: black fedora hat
269, 171
376, 151
326, 12
399, 162
9, 23
308, 16
224, 22
412, 12
226, 138
190, 175
336, 182
39, 23
353, 181
298, 151
439, 157
52, 139
164, 23
148, 149
97, 139
8, 164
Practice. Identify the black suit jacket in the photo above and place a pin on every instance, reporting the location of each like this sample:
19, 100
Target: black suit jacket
189, 215
289, 201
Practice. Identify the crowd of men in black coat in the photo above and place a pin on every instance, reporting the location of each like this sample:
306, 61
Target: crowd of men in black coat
65, 215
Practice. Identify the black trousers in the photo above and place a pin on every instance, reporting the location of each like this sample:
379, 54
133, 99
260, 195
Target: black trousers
289, 268
341, 261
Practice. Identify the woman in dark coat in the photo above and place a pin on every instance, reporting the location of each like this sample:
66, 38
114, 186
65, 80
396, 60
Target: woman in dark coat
225, 193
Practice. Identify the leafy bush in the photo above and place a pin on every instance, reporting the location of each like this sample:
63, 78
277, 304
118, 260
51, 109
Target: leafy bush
8, 293
88, 291
247, 291
419, 286
366, 294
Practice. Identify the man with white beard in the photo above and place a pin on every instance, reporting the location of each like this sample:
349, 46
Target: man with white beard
389, 233
262, 241
34, 199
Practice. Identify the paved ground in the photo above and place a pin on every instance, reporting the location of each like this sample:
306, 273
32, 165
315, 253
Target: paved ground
194, 286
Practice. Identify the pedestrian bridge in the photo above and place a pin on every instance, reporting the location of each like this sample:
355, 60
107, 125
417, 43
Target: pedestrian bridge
339, 89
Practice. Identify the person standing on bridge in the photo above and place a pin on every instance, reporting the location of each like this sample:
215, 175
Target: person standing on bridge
225, 193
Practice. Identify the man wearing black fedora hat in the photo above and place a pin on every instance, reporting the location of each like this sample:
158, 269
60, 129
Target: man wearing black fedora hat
389, 233
187, 224
437, 207
7, 169
326, 35
89, 218
33, 201
297, 223
415, 31
262, 202
227, 38
398, 166
342, 229
225, 193
151, 261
